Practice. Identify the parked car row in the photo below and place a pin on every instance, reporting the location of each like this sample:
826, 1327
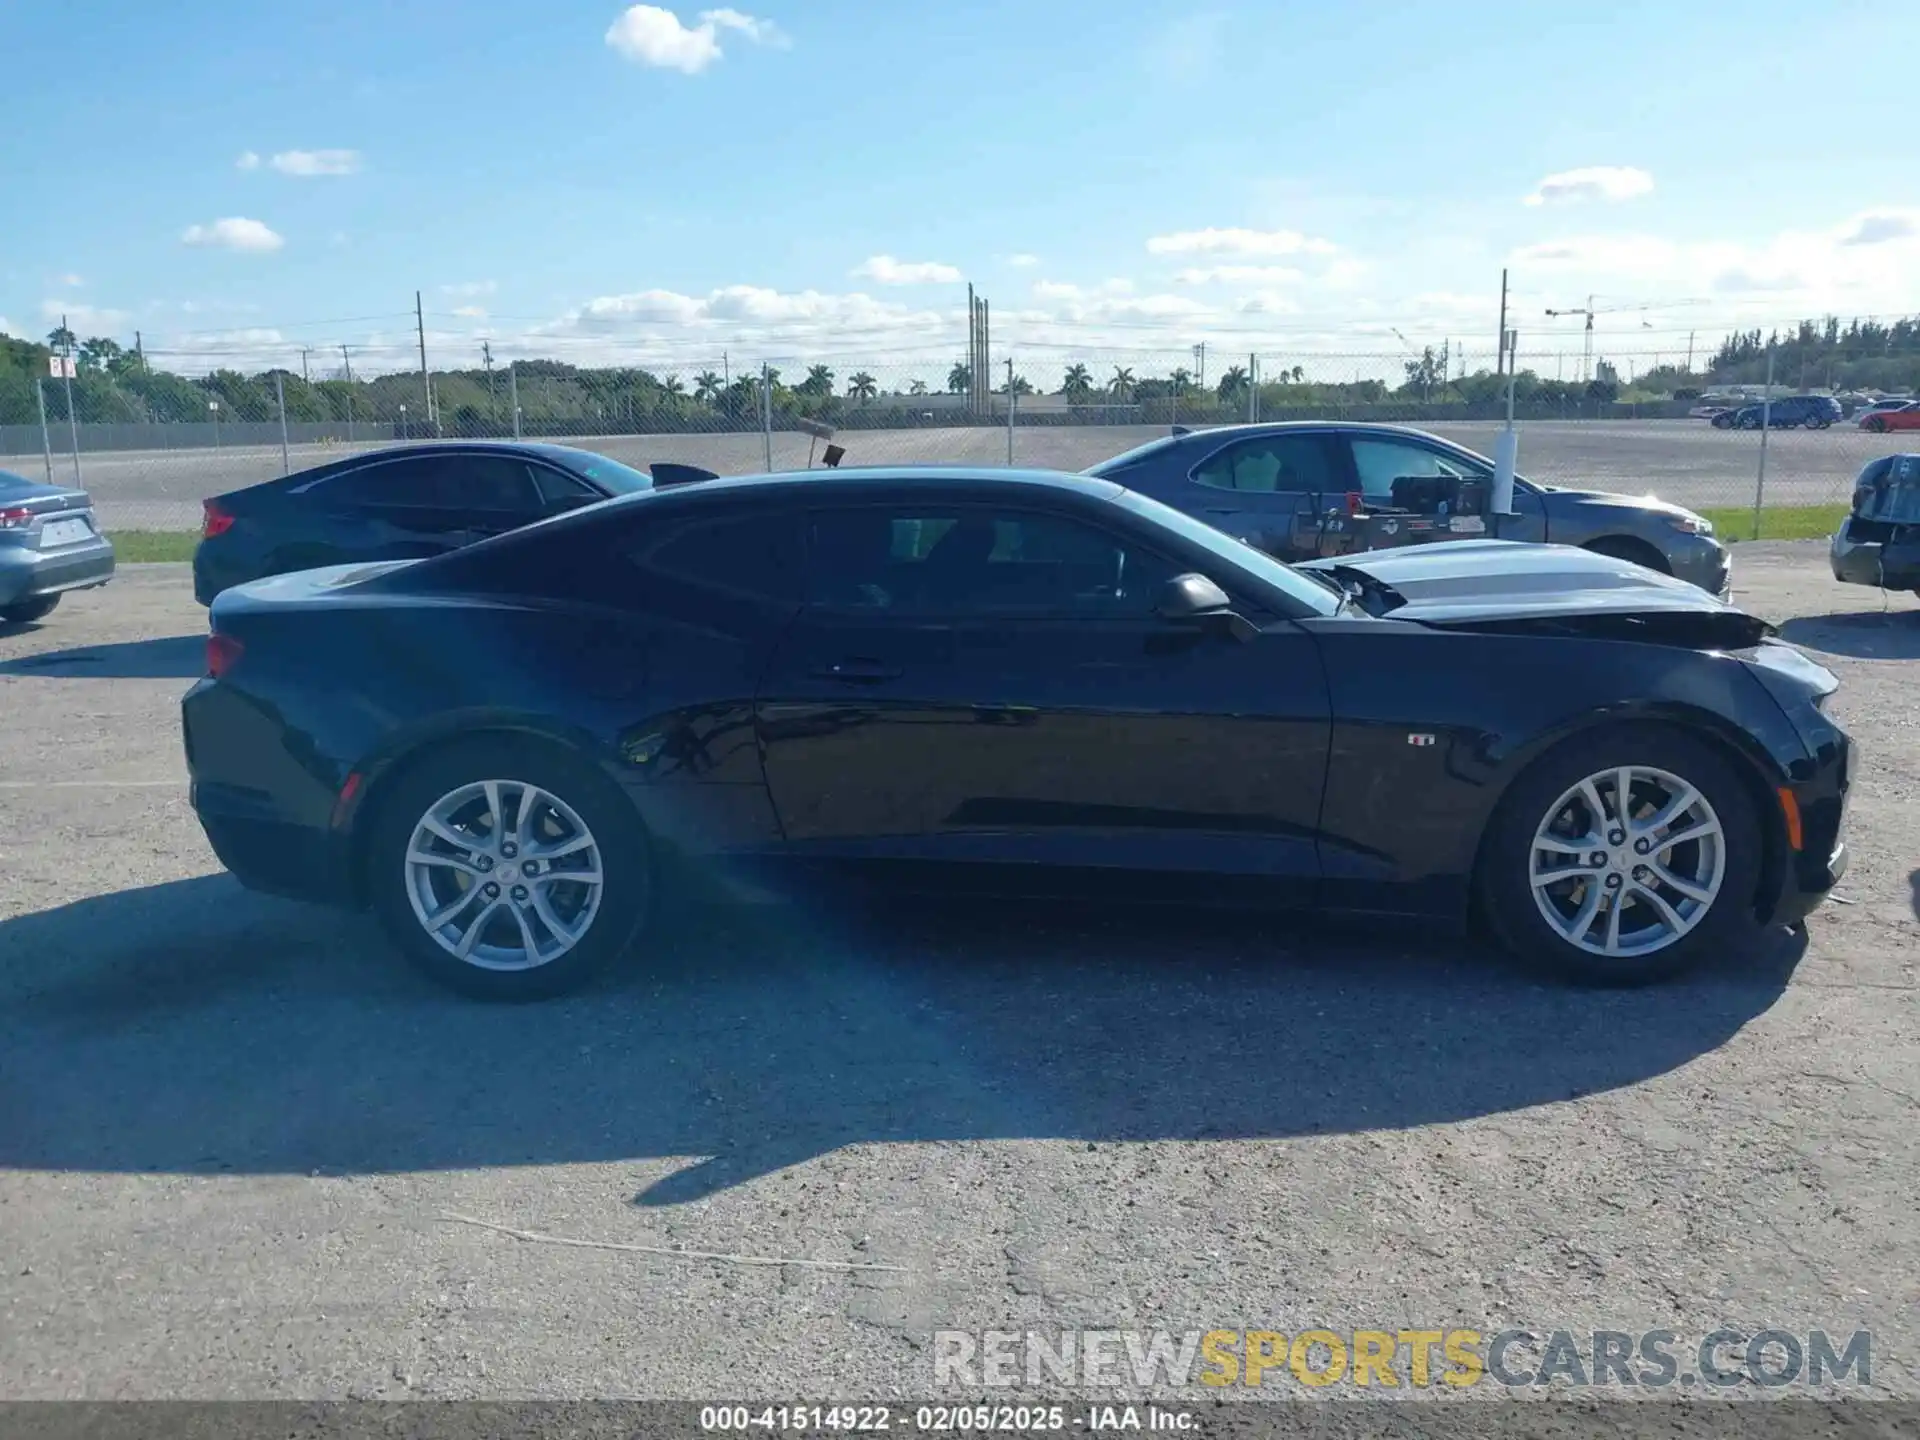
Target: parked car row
1108, 684
1787, 412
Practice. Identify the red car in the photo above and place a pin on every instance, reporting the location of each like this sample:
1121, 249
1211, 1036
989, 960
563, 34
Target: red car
1907, 417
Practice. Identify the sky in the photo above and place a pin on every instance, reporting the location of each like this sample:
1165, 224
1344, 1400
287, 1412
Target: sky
821, 179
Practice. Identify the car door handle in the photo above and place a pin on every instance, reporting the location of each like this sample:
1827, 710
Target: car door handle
858, 672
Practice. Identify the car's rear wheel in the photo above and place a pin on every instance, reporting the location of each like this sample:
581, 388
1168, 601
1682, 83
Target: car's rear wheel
1875, 424
1623, 857
508, 870
1723, 422
25, 612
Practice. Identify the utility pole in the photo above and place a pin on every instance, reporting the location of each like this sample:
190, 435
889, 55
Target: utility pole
726, 373
1500, 363
1690, 352
493, 399
140, 352
305, 350
513, 396
426, 380
66, 379
1200, 365
347, 360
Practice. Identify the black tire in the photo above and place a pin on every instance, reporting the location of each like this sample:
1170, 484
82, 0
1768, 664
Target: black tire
1875, 424
1503, 885
617, 830
25, 612
1723, 422
1625, 547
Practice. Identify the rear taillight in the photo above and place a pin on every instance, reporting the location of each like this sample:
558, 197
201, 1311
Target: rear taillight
15, 519
223, 653
216, 521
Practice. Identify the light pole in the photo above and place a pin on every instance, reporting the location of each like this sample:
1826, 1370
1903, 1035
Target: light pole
213, 412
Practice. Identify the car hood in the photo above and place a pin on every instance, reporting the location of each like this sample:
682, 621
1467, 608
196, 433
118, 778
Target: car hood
1649, 504
1543, 589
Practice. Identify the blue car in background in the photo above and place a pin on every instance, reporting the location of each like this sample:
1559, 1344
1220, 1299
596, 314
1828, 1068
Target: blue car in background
1812, 412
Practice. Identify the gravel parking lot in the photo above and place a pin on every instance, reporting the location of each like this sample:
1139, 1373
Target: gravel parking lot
233, 1131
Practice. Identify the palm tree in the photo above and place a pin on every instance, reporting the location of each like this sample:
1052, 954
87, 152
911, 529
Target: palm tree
1182, 380
959, 379
819, 382
61, 340
673, 386
1076, 384
707, 386
861, 387
918, 387
1299, 375
1233, 383
1121, 386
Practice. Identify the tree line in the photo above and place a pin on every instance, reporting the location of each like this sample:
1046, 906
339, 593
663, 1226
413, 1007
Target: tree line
115, 384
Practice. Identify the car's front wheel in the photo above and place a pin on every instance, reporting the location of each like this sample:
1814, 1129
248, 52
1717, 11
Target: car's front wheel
25, 612
1875, 424
507, 870
1623, 857
1723, 422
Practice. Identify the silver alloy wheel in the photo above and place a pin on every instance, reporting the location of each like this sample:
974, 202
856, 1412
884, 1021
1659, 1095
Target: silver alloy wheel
504, 875
1627, 862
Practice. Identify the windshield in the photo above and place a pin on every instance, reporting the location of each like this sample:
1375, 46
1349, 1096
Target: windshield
1314, 596
609, 474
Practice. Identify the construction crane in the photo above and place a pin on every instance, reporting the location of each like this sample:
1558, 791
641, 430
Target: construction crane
1586, 358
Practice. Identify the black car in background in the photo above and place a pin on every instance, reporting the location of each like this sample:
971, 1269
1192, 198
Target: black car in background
1007, 680
1786, 412
405, 502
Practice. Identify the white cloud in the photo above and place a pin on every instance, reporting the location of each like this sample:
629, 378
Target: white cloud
1604, 254
1879, 227
82, 319
306, 163
468, 289
235, 232
885, 270
1592, 182
652, 36
1236, 241
1023, 261
70, 280
1241, 275
1055, 290
470, 312
247, 161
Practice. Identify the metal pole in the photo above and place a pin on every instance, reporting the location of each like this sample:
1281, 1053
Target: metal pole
280, 400
1766, 419
46, 441
513, 396
426, 381
766, 410
1253, 387
1009, 410
1500, 362
66, 379
347, 360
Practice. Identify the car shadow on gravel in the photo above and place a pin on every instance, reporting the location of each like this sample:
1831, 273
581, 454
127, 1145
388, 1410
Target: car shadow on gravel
194, 1028
171, 657
1863, 634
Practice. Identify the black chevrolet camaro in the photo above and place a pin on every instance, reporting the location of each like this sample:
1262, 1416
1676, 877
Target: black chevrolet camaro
1012, 681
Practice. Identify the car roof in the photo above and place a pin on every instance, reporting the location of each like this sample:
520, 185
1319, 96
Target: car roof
407, 450
847, 483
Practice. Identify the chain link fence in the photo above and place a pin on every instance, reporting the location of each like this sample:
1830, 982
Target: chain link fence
150, 445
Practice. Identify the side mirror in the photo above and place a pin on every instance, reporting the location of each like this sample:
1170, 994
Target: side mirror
1190, 596
1193, 599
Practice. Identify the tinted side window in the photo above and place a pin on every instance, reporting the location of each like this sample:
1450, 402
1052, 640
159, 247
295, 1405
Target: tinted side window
384, 484
486, 482
1271, 463
557, 489
753, 556
977, 562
